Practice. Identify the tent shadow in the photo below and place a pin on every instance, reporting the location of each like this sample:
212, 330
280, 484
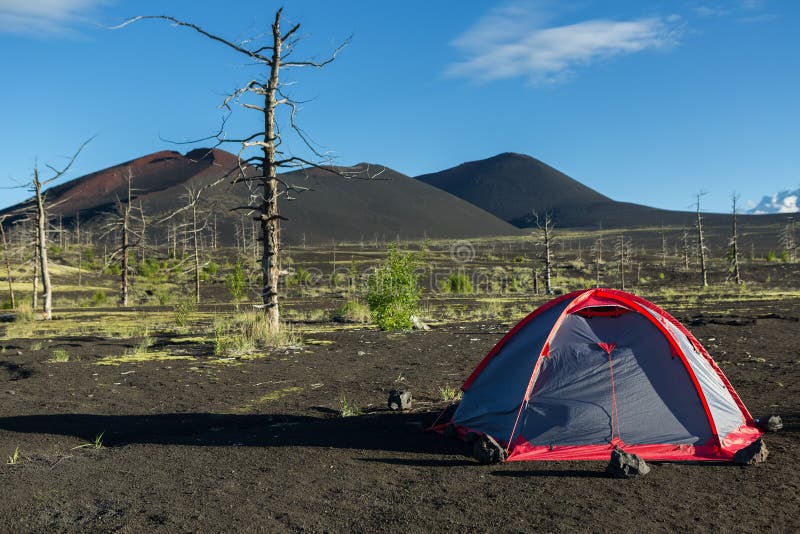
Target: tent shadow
422, 462
381, 431
558, 473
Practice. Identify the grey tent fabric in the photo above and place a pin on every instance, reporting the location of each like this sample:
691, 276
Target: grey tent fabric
571, 403
491, 409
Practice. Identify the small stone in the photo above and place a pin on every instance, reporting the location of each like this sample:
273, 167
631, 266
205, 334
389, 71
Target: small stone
771, 424
415, 427
418, 323
399, 400
624, 465
755, 453
487, 451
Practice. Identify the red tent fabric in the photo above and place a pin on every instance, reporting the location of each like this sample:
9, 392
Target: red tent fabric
598, 369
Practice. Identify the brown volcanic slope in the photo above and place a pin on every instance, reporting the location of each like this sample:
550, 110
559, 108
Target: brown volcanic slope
511, 186
334, 208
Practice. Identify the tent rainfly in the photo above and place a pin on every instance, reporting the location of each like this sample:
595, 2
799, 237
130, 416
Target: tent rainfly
598, 369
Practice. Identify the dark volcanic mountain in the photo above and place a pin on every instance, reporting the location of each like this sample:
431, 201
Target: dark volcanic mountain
513, 186
334, 208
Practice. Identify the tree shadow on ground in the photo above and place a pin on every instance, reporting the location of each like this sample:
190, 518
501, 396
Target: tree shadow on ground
381, 431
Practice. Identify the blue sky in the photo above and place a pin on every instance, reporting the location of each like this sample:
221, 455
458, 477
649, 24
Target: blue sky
646, 101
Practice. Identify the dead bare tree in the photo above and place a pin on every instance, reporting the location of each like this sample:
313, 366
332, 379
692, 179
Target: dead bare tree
685, 249
127, 223
7, 258
195, 223
37, 186
621, 254
788, 241
597, 253
663, 247
702, 250
733, 245
546, 228
264, 184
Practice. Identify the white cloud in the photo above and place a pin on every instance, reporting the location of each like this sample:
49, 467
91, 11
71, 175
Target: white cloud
782, 202
39, 17
515, 41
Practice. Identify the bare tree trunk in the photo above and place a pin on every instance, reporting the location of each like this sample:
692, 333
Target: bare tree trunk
270, 218
701, 245
663, 248
547, 234
125, 221
598, 259
8, 265
620, 250
196, 250
734, 246
123, 292
35, 296
41, 227
80, 248
214, 236
685, 249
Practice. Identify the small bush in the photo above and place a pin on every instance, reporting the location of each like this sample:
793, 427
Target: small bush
182, 311
352, 311
113, 269
300, 278
59, 356
346, 409
457, 283
149, 268
98, 298
449, 393
14, 458
393, 292
771, 256
236, 282
210, 268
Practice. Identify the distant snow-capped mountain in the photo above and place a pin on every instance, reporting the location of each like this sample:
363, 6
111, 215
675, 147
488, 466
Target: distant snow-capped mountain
783, 202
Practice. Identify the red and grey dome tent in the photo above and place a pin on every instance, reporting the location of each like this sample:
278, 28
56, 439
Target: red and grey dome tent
598, 369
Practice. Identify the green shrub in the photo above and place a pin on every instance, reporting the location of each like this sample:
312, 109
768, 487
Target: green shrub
457, 283
236, 282
210, 268
149, 268
182, 311
300, 278
59, 356
113, 269
98, 298
771, 256
352, 311
393, 292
